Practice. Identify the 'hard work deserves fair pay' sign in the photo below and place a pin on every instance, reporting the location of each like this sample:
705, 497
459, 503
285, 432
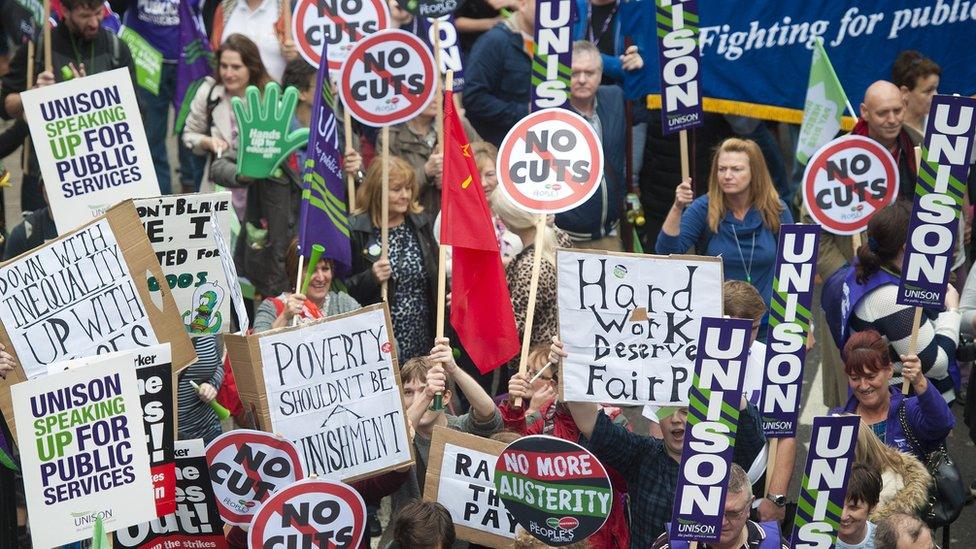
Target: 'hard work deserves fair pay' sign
91, 146
333, 388
630, 324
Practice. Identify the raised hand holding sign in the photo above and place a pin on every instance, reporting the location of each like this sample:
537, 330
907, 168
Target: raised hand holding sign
266, 138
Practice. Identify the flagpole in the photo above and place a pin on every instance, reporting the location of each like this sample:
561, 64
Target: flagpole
385, 206
913, 340
442, 249
48, 64
25, 161
685, 168
350, 179
540, 231
439, 118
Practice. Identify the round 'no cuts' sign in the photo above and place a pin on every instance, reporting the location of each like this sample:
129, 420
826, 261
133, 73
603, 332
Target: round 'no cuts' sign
311, 513
550, 162
336, 25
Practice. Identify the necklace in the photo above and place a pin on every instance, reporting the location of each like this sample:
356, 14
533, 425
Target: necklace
748, 268
595, 38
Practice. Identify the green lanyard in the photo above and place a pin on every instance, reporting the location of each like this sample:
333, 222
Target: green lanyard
74, 47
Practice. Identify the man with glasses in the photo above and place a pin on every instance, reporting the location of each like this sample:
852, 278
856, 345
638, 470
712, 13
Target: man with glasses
737, 530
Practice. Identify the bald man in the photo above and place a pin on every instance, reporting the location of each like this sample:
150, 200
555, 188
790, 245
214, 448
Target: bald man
882, 117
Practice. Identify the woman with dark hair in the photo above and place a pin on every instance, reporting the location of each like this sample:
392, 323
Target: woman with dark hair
738, 219
211, 129
320, 301
411, 270
864, 297
918, 78
867, 363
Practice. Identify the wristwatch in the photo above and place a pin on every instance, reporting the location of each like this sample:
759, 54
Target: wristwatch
778, 499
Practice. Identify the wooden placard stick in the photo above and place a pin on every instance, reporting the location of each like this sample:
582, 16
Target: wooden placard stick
540, 231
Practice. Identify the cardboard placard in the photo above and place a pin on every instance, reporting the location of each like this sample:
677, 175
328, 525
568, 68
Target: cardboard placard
680, 63
713, 421
556, 489
630, 324
328, 384
451, 56
310, 513
246, 468
847, 181
196, 522
181, 234
789, 325
90, 144
460, 476
148, 319
939, 195
230, 275
83, 451
825, 478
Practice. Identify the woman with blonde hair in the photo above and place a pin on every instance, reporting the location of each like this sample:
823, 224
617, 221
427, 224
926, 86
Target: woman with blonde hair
411, 270
905, 481
738, 218
519, 271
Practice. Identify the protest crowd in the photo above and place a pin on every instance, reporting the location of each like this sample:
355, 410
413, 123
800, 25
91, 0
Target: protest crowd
285, 274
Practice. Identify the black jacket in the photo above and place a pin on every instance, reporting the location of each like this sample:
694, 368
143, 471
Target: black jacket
362, 285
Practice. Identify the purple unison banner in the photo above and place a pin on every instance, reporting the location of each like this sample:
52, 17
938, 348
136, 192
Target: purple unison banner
680, 62
790, 313
552, 63
939, 193
451, 58
824, 486
713, 419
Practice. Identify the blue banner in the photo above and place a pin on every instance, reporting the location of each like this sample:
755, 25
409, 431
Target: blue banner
755, 56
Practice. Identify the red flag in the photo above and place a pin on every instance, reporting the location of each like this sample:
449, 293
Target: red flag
481, 308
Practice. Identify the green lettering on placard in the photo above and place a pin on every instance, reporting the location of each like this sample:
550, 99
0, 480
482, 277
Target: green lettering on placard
148, 60
265, 138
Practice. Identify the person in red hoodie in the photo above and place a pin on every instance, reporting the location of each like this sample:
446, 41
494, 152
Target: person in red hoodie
541, 413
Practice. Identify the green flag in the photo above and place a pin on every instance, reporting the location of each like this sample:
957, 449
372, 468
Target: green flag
99, 537
824, 106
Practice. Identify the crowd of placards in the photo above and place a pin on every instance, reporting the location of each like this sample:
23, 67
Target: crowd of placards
400, 297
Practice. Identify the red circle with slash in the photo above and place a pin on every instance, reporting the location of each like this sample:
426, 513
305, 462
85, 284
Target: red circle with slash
847, 181
340, 25
550, 162
311, 513
246, 468
389, 78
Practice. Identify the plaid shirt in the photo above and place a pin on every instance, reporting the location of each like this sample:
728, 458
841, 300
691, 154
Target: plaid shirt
652, 475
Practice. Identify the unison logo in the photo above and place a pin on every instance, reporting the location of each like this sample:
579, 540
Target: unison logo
86, 518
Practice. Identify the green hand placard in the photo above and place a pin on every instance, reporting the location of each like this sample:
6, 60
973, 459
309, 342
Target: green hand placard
265, 137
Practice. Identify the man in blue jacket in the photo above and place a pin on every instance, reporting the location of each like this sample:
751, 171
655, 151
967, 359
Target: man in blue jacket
594, 224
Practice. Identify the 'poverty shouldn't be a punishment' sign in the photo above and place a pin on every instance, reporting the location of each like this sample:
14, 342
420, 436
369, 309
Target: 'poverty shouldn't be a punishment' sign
91, 146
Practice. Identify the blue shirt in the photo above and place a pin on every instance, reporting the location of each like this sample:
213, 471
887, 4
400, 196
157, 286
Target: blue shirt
746, 247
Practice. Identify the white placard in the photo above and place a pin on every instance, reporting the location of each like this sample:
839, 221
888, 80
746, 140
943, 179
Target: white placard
333, 390
83, 451
73, 298
630, 324
181, 234
90, 144
466, 488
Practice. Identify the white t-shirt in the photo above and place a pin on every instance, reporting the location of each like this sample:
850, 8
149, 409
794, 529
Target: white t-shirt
258, 25
866, 543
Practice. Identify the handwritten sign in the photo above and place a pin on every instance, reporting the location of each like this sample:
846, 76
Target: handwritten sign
630, 324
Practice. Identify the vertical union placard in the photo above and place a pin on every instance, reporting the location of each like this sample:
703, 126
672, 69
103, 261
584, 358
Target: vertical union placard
713, 421
680, 62
824, 485
939, 194
552, 64
790, 314
90, 144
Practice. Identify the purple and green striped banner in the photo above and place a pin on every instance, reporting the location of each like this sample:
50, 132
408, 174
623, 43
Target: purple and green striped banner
552, 63
680, 63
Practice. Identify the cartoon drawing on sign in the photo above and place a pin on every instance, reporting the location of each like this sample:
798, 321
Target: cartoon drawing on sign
206, 318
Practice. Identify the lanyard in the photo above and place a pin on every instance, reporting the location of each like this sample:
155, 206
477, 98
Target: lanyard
91, 65
595, 38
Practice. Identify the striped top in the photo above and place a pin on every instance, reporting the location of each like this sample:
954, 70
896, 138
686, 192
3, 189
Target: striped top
196, 418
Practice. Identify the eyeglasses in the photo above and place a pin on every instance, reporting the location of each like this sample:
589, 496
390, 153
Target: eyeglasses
733, 515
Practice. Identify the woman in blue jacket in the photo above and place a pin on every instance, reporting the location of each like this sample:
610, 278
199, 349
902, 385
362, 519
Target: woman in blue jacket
738, 219
867, 363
